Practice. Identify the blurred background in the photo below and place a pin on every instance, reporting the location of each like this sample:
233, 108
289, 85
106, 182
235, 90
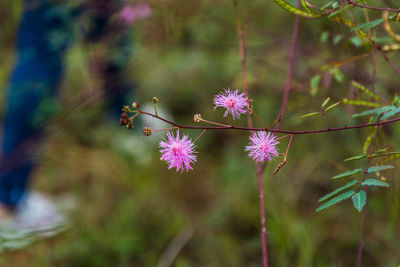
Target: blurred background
130, 210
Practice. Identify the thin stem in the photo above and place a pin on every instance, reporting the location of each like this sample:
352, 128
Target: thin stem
258, 118
166, 129
200, 135
288, 146
227, 127
155, 109
279, 138
215, 123
373, 7
259, 171
242, 40
283, 162
365, 188
290, 69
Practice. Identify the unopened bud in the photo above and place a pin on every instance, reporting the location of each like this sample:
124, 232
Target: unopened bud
147, 131
197, 117
155, 99
129, 124
125, 109
135, 105
124, 115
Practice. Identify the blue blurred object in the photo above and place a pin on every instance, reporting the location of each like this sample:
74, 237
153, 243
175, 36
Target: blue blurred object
44, 35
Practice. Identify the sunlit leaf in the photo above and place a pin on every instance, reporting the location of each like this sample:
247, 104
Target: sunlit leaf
379, 168
332, 106
367, 25
368, 140
336, 200
345, 174
390, 113
362, 156
363, 89
325, 102
374, 111
295, 10
359, 200
310, 115
360, 103
374, 182
350, 184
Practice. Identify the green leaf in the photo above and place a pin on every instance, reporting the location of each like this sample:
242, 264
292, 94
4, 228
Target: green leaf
345, 174
310, 115
332, 106
379, 168
337, 38
295, 10
324, 37
362, 156
356, 41
327, 5
374, 182
375, 155
359, 200
335, 200
368, 25
373, 111
338, 11
325, 102
369, 139
350, 184
315, 81
363, 89
360, 103
390, 113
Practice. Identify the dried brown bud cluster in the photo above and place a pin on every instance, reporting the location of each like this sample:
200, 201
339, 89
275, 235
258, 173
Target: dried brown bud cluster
147, 131
155, 100
197, 117
125, 120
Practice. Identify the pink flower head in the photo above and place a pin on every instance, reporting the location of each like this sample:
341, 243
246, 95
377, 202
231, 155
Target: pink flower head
234, 102
130, 14
178, 152
262, 146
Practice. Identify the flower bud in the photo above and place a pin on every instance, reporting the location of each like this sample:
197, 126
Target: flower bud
197, 117
155, 99
135, 105
125, 109
147, 131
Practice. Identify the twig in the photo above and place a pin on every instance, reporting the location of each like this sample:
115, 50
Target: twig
343, 128
373, 7
173, 249
290, 69
363, 216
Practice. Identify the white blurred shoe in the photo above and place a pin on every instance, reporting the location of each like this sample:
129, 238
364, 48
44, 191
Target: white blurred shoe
36, 217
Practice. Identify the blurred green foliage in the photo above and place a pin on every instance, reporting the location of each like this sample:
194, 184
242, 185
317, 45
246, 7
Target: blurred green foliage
129, 207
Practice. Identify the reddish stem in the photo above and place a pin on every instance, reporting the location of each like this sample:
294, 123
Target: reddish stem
373, 7
290, 69
259, 170
381, 123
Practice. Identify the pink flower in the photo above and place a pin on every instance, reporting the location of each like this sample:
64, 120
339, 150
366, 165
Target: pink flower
178, 152
233, 102
262, 146
130, 14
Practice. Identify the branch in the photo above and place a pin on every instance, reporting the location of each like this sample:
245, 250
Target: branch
343, 128
373, 7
